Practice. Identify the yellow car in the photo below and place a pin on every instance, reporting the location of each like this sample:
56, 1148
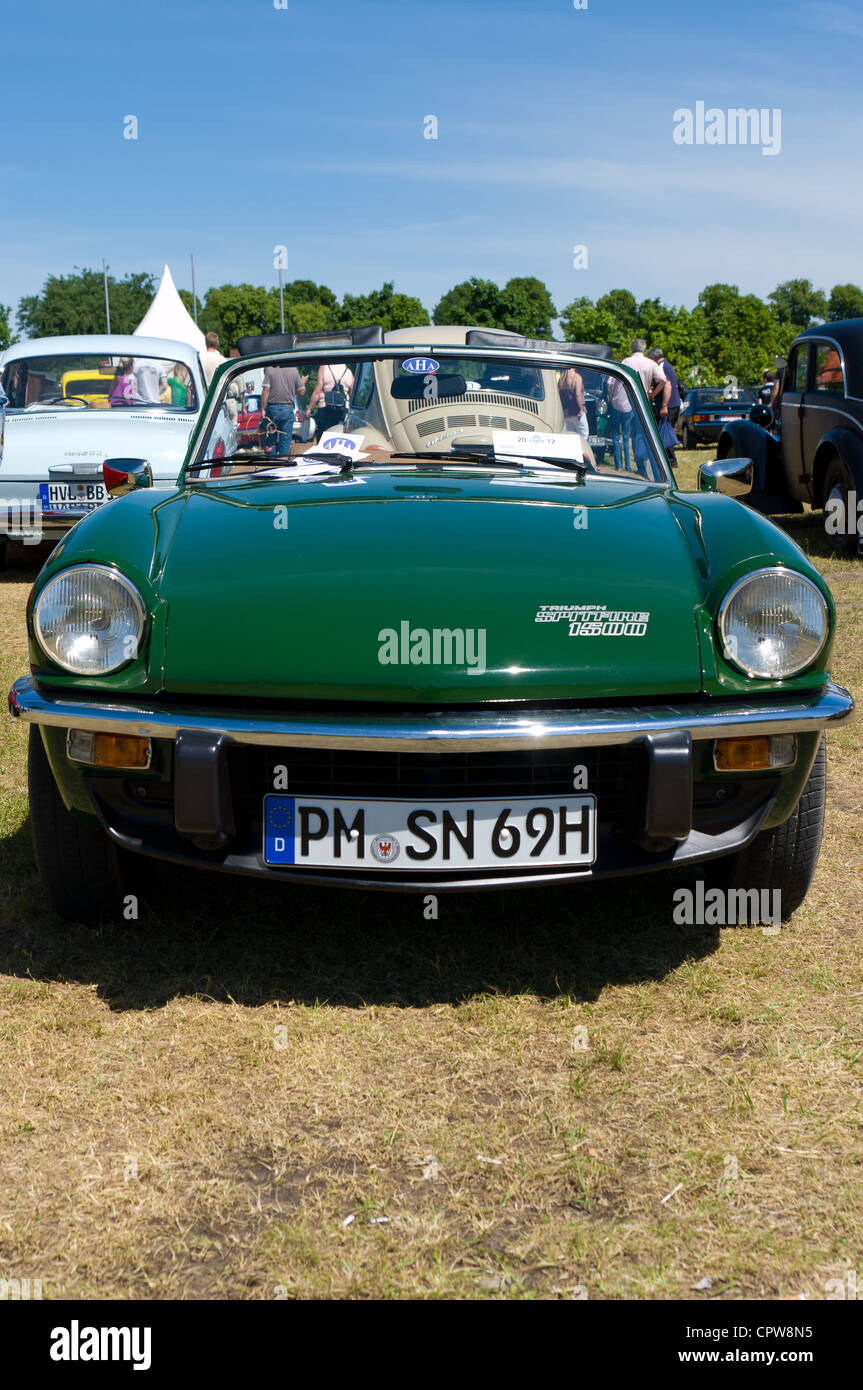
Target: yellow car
92, 387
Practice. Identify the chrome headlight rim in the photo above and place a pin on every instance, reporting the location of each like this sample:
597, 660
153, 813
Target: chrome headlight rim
132, 592
770, 572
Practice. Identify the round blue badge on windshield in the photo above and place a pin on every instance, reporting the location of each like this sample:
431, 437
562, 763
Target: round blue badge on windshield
420, 365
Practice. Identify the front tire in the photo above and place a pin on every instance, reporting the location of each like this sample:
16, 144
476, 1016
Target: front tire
78, 864
785, 857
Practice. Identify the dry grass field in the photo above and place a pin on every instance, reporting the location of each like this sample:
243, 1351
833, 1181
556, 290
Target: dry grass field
255, 1092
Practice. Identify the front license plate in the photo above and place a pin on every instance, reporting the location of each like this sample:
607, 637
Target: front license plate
335, 834
64, 497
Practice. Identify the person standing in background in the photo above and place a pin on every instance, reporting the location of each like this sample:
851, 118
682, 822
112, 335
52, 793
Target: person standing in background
571, 388
123, 386
150, 379
673, 399
282, 385
656, 386
652, 376
335, 383
211, 358
180, 384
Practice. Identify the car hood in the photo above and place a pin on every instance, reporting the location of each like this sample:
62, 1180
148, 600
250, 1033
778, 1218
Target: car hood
78, 441
440, 587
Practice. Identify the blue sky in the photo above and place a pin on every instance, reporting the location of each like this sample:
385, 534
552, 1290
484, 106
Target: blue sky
304, 126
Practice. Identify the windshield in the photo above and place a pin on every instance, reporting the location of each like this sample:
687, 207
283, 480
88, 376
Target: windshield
728, 396
372, 408
87, 381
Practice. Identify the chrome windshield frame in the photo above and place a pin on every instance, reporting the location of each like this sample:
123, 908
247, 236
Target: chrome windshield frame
449, 352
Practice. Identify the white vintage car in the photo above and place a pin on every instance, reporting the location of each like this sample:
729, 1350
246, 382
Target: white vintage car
71, 403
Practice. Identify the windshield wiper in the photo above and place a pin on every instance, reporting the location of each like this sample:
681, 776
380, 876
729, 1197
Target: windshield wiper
486, 454
244, 454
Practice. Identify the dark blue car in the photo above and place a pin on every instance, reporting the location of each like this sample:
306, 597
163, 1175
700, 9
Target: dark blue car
706, 411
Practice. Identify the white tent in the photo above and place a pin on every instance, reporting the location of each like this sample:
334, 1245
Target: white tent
168, 317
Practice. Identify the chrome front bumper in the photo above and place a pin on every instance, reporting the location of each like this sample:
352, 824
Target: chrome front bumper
444, 730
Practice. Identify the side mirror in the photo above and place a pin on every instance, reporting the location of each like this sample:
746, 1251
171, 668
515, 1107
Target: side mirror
731, 476
761, 415
125, 475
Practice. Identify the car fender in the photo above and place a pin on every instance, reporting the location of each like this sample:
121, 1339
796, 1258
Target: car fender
745, 439
849, 447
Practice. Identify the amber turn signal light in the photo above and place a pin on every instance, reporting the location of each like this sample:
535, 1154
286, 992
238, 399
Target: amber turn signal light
754, 753
108, 750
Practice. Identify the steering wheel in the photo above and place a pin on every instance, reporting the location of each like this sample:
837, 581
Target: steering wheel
64, 400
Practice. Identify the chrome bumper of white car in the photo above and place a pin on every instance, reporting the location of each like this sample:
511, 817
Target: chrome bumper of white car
446, 729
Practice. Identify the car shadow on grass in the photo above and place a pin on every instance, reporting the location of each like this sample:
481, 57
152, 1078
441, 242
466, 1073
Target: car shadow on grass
255, 943
23, 562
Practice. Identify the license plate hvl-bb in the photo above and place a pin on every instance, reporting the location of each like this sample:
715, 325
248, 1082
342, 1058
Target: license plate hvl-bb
73, 496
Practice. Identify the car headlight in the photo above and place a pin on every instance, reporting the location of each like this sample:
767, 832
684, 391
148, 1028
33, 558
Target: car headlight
773, 623
89, 619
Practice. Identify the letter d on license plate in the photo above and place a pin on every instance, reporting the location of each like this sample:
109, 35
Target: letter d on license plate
324, 832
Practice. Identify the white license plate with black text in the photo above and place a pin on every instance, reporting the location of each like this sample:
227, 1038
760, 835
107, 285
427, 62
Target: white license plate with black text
324, 832
72, 496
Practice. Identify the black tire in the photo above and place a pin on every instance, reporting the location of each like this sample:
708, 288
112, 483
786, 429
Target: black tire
785, 857
78, 864
838, 483
4, 546
687, 440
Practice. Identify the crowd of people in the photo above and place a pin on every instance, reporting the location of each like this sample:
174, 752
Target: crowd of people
663, 391
282, 393
146, 380
284, 389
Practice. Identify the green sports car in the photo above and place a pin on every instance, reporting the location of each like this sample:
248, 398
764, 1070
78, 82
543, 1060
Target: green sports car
471, 635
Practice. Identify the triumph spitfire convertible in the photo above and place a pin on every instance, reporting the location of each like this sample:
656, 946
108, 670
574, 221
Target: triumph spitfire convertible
451, 644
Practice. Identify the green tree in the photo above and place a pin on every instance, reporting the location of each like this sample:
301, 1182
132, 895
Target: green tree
308, 318
796, 304
846, 302
473, 301
235, 310
526, 307
76, 304
612, 320
622, 307
385, 307
307, 293
740, 335
186, 296
678, 332
582, 321
6, 336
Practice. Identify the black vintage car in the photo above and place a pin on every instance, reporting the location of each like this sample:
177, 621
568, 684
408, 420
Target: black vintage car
811, 451
707, 409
